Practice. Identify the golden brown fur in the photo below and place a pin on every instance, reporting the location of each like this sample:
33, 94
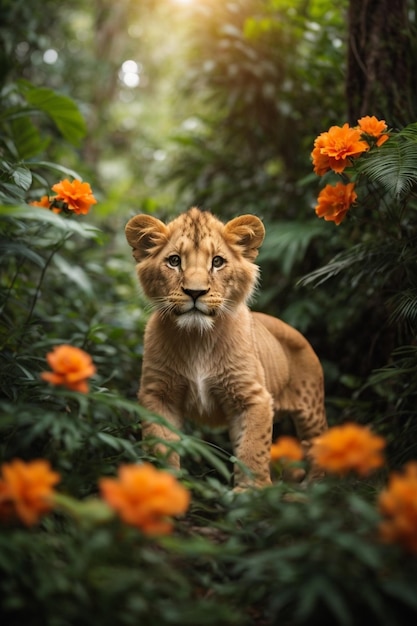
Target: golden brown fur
207, 357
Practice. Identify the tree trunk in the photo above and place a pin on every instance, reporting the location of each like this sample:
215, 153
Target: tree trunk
380, 62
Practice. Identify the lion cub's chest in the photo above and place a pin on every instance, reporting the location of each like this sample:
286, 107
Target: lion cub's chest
200, 402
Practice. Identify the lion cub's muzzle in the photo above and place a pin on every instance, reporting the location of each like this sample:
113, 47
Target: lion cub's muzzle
195, 293
195, 303
194, 313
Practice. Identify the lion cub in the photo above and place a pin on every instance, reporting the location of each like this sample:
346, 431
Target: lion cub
207, 357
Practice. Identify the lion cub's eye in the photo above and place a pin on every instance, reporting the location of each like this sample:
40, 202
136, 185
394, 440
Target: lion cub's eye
218, 261
174, 260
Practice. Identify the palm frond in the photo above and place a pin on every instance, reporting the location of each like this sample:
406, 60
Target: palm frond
393, 166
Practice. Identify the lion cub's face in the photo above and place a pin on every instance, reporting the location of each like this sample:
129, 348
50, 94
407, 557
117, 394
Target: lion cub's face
196, 269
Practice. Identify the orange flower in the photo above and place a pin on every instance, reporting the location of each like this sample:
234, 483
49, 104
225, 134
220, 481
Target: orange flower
347, 448
374, 128
335, 201
144, 497
286, 449
339, 144
26, 490
382, 139
71, 368
46, 203
398, 504
43, 202
77, 195
321, 162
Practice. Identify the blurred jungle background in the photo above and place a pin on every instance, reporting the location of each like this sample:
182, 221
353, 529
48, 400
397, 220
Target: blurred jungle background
161, 105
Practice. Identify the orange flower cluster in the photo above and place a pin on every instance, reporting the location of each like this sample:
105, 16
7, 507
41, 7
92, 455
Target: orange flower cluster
26, 490
286, 450
70, 196
398, 505
71, 368
145, 497
335, 150
348, 448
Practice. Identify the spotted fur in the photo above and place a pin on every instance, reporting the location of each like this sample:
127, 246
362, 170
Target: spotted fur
207, 357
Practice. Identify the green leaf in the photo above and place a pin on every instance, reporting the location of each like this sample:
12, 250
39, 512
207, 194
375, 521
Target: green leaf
10, 193
14, 248
22, 177
117, 443
61, 109
26, 138
74, 273
405, 593
197, 447
57, 167
36, 214
321, 588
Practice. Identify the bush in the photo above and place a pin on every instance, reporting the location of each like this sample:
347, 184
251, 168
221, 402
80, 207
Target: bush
337, 552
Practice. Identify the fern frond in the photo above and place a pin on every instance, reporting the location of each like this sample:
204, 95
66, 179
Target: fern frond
364, 260
340, 263
405, 306
403, 363
393, 166
409, 132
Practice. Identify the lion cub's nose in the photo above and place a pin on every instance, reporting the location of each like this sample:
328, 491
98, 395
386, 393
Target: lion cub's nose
195, 293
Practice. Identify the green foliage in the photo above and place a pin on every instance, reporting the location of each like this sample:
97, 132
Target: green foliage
23, 104
93, 577
263, 81
287, 242
393, 166
60, 109
381, 266
263, 557
261, 75
312, 565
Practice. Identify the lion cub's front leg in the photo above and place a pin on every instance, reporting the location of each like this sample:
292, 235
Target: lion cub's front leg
159, 435
251, 433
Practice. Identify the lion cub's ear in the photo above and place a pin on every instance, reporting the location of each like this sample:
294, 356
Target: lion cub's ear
144, 233
246, 231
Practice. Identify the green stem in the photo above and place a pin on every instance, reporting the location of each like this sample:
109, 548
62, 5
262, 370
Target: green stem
10, 288
39, 285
